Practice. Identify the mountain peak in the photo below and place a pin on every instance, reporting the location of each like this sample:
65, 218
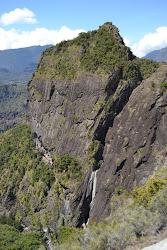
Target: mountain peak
99, 51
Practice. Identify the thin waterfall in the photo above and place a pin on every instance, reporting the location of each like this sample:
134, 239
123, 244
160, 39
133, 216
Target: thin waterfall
94, 179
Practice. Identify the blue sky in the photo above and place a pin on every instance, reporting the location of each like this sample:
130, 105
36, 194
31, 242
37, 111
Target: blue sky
143, 24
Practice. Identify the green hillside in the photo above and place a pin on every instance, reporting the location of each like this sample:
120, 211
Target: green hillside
133, 216
13, 105
16, 68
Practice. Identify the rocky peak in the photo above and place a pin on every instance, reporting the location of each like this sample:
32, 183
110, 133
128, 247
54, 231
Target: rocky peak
79, 96
112, 29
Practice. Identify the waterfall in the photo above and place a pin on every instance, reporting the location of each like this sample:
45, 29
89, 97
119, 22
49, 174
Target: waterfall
94, 182
90, 195
91, 192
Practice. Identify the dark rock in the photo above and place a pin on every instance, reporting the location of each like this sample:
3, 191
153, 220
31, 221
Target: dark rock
135, 146
114, 127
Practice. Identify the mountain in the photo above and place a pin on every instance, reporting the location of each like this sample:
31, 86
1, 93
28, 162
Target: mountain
6, 76
158, 55
16, 60
98, 124
18, 65
13, 105
75, 100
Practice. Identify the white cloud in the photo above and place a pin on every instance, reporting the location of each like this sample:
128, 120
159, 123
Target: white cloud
126, 41
18, 16
150, 42
13, 39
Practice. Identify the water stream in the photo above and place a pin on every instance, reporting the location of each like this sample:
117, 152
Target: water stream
91, 191
94, 182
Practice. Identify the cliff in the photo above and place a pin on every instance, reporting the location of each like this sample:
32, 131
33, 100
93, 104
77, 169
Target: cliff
90, 98
98, 122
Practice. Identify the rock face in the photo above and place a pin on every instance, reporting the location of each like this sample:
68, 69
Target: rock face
135, 147
88, 104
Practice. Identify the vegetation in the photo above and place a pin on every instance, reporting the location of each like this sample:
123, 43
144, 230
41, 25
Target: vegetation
17, 155
68, 170
147, 67
144, 194
25, 179
152, 87
132, 216
131, 70
19, 161
11, 236
163, 88
13, 97
12, 239
100, 51
64, 233
13, 105
11, 222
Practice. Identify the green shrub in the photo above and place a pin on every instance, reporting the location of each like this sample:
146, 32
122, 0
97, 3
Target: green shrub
64, 233
163, 88
101, 104
19, 161
98, 51
153, 85
44, 173
144, 194
11, 239
66, 164
11, 222
131, 71
147, 67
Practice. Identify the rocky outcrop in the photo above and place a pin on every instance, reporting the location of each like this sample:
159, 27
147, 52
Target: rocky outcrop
76, 123
99, 115
135, 146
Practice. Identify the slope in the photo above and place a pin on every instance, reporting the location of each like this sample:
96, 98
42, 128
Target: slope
158, 55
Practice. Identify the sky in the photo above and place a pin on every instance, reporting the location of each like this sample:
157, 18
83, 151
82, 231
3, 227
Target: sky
24, 23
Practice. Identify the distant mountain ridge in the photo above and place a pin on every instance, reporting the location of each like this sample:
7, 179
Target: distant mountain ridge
13, 105
6, 76
16, 60
157, 55
16, 68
